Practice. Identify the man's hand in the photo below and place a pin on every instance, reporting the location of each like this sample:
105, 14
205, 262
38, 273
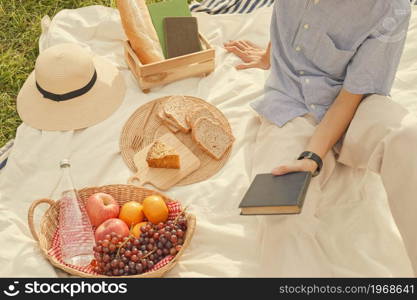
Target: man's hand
304, 165
252, 55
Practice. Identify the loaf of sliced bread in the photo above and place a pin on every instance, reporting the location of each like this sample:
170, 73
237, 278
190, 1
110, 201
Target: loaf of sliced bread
161, 155
200, 112
211, 137
176, 108
172, 128
167, 122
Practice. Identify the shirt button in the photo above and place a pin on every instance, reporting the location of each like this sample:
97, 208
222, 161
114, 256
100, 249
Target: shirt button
301, 72
298, 48
316, 1
312, 106
307, 80
306, 26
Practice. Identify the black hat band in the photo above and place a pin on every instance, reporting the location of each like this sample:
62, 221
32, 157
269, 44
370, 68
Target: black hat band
69, 95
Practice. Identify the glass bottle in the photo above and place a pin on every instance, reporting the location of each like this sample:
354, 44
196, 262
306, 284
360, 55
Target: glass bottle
75, 230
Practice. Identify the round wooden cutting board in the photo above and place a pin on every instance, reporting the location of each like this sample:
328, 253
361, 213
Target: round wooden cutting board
154, 129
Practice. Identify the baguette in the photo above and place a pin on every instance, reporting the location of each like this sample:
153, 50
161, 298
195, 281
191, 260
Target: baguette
211, 137
140, 31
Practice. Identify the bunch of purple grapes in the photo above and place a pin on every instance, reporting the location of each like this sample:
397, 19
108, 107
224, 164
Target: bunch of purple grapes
122, 256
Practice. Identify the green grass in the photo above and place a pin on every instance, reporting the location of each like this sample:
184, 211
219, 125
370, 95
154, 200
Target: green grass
19, 35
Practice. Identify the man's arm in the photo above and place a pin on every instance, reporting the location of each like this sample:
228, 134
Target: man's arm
327, 133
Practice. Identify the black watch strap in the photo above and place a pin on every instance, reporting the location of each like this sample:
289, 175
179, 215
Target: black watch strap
315, 157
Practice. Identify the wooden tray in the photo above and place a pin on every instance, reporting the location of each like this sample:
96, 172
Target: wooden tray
169, 70
162, 178
155, 129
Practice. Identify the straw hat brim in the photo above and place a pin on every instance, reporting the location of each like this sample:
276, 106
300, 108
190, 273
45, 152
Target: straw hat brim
89, 109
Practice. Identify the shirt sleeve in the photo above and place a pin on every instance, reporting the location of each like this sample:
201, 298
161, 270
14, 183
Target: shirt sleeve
373, 67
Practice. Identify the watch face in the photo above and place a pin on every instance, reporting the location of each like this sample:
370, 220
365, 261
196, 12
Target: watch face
309, 155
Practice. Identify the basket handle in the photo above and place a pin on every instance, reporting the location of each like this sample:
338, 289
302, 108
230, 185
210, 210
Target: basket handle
32, 211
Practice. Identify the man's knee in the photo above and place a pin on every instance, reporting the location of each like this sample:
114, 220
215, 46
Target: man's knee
381, 111
377, 118
372, 102
405, 139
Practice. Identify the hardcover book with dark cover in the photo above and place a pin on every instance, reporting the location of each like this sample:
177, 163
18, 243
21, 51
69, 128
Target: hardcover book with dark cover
181, 36
274, 195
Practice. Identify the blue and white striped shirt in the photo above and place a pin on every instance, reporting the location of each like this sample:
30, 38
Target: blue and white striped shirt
320, 46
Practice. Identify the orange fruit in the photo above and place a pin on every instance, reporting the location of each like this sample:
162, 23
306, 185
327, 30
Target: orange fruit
136, 229
131, 213
155, 209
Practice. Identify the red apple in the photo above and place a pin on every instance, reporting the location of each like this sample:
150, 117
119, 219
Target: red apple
101, 207
109, 226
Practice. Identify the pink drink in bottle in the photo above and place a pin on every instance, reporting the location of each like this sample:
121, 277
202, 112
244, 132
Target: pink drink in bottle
75, 230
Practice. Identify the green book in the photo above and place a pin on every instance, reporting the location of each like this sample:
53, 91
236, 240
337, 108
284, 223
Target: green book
161, 10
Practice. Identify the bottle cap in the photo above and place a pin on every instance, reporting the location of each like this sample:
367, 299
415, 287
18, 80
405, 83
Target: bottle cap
64, 163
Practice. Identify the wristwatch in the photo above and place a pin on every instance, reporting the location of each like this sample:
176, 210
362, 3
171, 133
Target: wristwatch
315, 157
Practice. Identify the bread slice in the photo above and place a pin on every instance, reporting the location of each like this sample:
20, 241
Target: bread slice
167, 122
173, 129
200, 112
160, 155
175, 108
211, 137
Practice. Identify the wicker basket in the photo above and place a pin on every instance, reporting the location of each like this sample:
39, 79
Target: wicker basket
121, 193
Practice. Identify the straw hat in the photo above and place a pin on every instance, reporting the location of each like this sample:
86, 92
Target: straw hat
70, 89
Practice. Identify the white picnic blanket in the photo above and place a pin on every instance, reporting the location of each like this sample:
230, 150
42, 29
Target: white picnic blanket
351, 232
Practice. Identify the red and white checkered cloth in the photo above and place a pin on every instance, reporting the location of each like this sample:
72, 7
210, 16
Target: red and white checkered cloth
55, 251
174, 209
